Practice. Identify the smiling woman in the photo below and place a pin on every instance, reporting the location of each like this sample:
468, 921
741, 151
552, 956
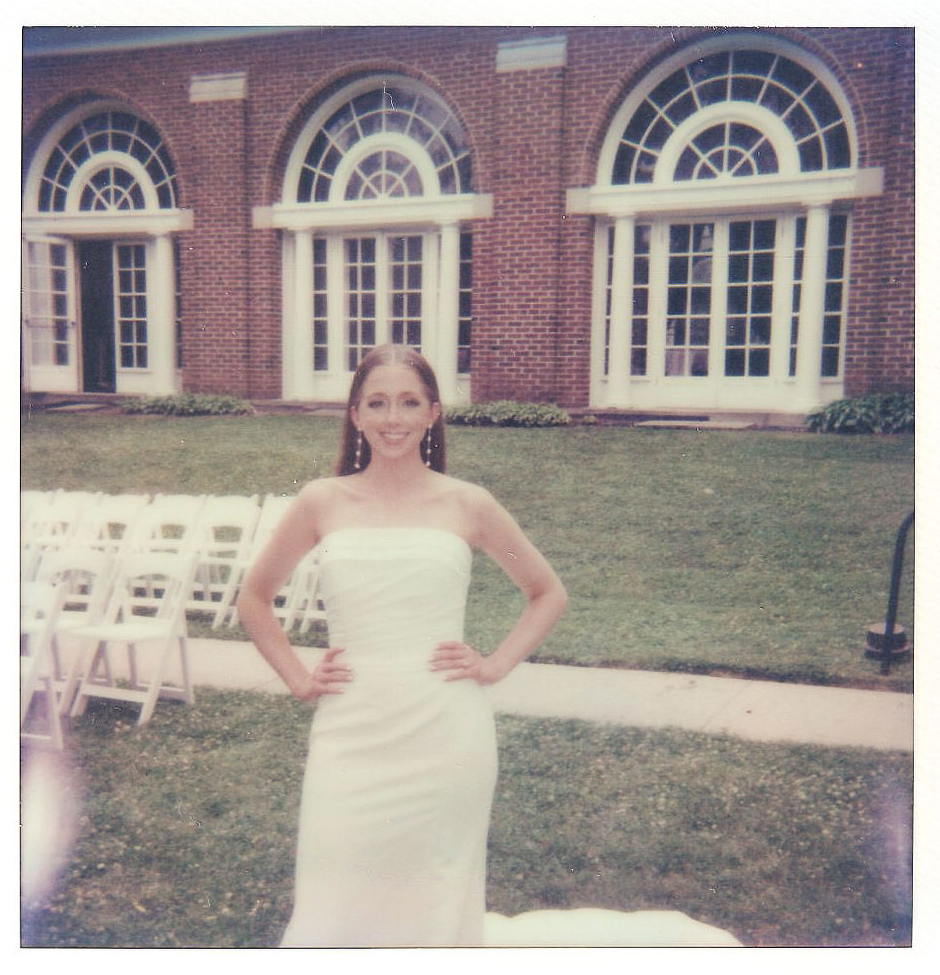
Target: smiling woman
401, 769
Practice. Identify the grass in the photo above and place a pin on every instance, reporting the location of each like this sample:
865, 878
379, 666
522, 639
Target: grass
186, 829
764, 554
754, 554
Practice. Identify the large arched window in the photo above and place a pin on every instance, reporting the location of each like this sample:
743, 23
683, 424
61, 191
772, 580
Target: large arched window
110, 160
722, 205
376, 206
99, 208
356, 145
748, 82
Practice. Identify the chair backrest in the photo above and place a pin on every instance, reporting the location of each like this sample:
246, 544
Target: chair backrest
86, 575
227, 524
40, 603
50, 521
152, 585
110, 524
168, 524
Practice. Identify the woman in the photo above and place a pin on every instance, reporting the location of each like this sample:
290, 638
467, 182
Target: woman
402, 763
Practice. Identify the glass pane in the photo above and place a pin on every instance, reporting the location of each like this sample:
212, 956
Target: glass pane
734, 362
759, 362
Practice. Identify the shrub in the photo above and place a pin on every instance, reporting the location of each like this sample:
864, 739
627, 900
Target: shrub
188, 404
876, 413
508, 413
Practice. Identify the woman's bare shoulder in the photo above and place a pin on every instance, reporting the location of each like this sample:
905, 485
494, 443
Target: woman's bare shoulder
468, 494
321, 496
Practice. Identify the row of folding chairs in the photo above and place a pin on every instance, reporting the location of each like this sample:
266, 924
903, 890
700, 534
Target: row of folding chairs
222, 533
101, 571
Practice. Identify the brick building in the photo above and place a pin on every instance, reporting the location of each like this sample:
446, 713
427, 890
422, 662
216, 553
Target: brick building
639, 218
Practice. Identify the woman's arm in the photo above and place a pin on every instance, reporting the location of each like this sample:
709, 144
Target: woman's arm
498, 534
291, 540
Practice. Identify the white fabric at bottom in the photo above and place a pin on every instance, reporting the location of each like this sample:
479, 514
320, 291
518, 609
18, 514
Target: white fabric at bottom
594, 928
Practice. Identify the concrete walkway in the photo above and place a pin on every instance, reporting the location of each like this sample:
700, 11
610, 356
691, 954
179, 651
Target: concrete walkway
757, 710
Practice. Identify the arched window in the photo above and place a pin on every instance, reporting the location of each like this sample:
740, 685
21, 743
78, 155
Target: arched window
116, 160
722, 207
747, 79
389, 114
99, 208
376, 204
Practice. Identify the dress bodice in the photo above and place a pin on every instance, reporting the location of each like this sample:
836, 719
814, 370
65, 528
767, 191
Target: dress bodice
392, 594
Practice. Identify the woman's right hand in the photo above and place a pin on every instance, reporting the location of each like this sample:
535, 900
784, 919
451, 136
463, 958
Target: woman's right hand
328, 677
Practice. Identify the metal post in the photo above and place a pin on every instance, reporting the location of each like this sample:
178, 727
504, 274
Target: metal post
893, 593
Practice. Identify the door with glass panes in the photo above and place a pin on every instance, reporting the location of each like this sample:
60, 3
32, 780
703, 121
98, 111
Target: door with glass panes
385, 295
85, 314
714, 311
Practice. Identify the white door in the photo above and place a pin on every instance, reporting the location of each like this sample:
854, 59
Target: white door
50, 354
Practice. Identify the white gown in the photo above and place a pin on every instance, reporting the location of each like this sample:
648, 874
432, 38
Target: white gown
401, 767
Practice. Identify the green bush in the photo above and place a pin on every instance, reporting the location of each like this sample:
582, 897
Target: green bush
508, 413
188, 404
876, 413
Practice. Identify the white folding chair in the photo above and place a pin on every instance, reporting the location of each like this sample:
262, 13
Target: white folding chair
147, 608
40, 604
224, 536
85, 575
273, 509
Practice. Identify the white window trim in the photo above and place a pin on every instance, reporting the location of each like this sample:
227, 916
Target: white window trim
129, 223
735, 194
378, 214
392, 141
770, 125
103, 160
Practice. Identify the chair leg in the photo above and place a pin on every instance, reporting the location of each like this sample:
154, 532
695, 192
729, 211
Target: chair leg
98, 657
188, 694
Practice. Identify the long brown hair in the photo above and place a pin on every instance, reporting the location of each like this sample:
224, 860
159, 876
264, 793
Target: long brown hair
388, 355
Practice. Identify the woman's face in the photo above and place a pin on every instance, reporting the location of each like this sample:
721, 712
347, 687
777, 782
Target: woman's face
394, 412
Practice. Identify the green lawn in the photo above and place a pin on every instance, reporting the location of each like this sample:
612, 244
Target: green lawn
762, 554
186, 829
722, 552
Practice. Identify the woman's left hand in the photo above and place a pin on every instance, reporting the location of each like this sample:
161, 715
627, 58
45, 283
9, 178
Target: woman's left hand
460, 662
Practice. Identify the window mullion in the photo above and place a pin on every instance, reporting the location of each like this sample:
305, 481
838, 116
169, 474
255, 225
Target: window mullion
809, 349
620, 307
719, 312
785, 245
383, 288
336, 304
659, 273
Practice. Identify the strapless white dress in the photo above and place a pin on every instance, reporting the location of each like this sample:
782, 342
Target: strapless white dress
401, 766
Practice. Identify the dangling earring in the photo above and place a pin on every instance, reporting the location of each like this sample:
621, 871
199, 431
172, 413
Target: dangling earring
427, 450
357, 463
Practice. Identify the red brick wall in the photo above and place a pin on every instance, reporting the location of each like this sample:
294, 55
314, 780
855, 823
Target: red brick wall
534, 134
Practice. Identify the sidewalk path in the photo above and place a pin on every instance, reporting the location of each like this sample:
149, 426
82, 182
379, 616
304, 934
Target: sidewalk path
758, 710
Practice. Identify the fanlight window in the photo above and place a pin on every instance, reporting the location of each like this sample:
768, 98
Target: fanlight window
111, 187
759, 78
728, 149
393, 109
384, 174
